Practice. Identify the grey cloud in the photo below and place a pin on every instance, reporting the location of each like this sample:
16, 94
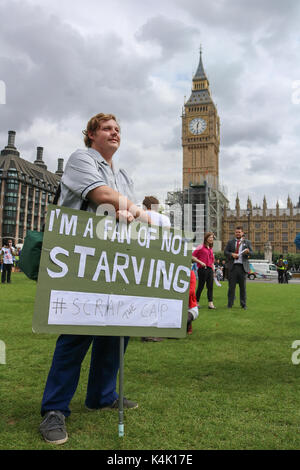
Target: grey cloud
228, 159
225, 81
242, 16
158, 172
175, 142
173, 36
52, 71
273, 191
250, 131
260, 164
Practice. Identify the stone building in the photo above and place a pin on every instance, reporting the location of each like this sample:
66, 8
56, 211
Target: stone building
277, 226
201, 194
25, 190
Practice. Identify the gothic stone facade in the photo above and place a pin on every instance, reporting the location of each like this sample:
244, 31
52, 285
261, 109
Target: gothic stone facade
278, 226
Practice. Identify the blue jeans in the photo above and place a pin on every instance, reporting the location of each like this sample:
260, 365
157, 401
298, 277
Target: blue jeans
64, 373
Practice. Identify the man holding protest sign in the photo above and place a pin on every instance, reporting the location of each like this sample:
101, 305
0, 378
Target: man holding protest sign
89, 175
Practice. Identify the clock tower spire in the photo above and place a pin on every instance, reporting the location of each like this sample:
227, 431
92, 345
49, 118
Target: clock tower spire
200, 133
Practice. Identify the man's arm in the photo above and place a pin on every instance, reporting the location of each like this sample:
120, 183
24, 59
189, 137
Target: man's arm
250, 248
123, 206
248, 251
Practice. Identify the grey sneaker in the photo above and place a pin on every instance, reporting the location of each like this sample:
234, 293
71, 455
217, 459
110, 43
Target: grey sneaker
53, 428
127, 404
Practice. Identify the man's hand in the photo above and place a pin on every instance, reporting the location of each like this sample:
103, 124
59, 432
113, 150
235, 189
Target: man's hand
127, 217
235, 255
246, 251
125, 209
124, 216
144, 217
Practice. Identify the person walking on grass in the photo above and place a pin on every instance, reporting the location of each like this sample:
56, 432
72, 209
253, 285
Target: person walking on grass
204, 257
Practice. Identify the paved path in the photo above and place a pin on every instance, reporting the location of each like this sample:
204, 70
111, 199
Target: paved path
274, 281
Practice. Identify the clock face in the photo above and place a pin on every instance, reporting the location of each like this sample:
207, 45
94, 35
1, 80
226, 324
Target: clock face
197, 126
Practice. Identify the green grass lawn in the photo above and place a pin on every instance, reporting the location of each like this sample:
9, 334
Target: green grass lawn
230, 385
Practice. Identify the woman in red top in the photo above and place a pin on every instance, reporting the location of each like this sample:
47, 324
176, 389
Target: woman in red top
204, 257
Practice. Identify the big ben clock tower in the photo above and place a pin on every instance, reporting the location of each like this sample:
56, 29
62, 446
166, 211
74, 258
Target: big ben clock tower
200, 134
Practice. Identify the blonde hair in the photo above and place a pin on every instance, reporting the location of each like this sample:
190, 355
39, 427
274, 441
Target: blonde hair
94, 124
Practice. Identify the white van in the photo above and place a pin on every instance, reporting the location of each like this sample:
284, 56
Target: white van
262, 269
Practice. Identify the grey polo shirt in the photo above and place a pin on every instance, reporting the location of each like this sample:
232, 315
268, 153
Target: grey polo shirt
85, 170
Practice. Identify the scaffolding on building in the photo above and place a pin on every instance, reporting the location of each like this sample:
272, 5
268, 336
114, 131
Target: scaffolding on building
198, 208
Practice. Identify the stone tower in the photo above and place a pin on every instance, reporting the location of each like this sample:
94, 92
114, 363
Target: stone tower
200, 134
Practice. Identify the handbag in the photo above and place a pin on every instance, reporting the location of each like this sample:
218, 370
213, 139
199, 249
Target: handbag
30, 255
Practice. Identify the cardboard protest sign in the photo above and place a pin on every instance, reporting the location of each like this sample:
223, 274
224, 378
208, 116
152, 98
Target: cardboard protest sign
101, 277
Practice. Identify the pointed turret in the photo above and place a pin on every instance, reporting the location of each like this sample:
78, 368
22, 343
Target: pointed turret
290, 205
264, 207
200, 73
225, 208
200, 134
237, 206
200, 86
249, 205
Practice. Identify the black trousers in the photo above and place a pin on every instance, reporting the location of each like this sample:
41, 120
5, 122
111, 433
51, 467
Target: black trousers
280, 276
205, 275
6, 272
236, 276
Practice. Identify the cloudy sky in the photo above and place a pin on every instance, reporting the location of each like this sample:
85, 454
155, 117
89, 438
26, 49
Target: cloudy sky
63, 61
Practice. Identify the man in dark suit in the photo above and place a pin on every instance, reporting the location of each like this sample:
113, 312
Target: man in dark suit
237, 252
